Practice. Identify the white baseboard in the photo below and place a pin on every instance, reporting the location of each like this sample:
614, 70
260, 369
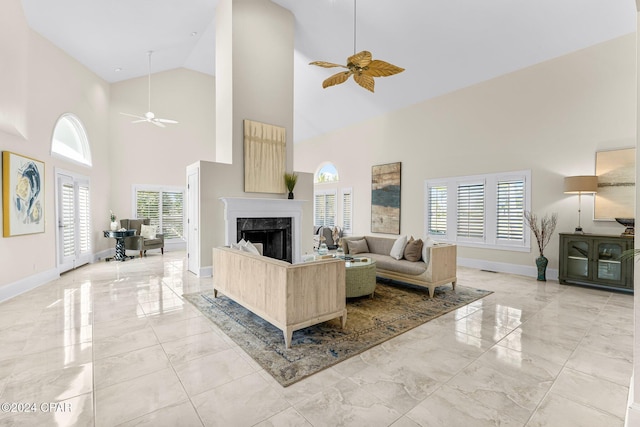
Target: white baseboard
206, 271
28, 283
503, 267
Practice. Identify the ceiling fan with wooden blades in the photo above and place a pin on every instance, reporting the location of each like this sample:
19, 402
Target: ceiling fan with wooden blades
149, 116
360, 65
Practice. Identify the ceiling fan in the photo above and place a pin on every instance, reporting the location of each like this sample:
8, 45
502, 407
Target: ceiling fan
360, 65
149, 116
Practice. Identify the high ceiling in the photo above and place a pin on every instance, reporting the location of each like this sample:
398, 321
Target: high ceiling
444, 45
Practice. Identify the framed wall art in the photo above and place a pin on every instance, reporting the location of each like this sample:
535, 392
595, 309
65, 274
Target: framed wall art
385, 198
616, 171
265, 156
22, 195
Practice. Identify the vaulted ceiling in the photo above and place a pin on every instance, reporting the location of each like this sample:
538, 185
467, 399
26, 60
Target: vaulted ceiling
443, 45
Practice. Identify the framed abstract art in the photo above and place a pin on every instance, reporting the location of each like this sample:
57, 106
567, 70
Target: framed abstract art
385, 198
22, 195
616, 171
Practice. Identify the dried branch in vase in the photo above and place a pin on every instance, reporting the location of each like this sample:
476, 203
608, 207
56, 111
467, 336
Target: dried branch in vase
542, 231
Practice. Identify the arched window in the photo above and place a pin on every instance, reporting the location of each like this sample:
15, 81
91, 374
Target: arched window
70, 140
326, 173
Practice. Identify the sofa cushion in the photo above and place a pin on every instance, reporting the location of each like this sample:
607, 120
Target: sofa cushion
413, 250
397, 250
426, 251
386, 262
358, 246
379, 245
148, 231
249, 247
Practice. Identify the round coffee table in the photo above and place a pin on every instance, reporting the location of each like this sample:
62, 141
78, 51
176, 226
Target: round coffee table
360, 277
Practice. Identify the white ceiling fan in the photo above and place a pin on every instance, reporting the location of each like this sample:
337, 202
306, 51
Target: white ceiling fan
149, 116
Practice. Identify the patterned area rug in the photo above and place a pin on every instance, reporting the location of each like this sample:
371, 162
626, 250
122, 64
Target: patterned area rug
395, 309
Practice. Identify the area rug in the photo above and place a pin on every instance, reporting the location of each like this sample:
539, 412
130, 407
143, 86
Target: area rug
395, 309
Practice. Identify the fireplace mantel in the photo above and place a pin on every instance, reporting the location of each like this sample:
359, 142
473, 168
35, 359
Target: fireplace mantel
241, 207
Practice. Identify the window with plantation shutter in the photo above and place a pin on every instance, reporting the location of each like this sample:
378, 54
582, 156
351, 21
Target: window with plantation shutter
347, 210
324, 208
471, 211
165, 209
486, 211
437, 210
67, 219
510, 214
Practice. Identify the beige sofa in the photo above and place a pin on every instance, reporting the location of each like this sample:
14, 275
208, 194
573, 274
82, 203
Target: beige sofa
289, 296
439, 269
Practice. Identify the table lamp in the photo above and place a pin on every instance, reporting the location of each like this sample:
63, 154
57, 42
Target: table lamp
583, 184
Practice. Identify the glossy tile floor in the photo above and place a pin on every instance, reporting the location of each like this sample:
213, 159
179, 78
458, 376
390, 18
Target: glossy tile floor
115, 344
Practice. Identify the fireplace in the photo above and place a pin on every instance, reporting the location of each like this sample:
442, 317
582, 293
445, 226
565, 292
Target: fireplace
273, 233
244, 208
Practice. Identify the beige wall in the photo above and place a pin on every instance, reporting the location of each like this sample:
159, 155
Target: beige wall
49, 83
144, 154
550, 118
53, 84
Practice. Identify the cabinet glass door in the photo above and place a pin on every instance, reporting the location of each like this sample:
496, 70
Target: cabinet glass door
578, 258
609, 264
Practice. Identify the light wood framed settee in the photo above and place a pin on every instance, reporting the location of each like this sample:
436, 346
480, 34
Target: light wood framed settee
289, 296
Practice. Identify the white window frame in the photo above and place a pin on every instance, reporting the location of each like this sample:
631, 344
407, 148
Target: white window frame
161, 188
345, 230
490, 239
83, 155
333, 192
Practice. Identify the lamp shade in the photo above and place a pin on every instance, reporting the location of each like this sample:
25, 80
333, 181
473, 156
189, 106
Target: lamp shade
581, 184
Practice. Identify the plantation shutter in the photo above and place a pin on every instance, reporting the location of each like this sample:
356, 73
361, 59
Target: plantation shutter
68, 229
325, 209
437, 210
84, 219
471, 211
346, 211
148, 206
510, 214
172, 224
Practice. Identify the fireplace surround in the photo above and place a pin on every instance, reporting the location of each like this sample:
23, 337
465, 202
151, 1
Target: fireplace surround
243, 208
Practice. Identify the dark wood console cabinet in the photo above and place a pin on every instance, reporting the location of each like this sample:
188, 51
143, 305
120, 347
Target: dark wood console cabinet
594, 259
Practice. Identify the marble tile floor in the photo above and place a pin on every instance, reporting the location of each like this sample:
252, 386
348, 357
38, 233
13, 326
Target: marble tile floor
115, 344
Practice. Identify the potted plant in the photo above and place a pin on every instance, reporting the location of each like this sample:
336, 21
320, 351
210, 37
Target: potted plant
290, 180
114, 224
543, 232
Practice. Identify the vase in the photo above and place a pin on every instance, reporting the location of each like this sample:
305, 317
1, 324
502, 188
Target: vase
114, 225
323, 250
290, 195
541, 263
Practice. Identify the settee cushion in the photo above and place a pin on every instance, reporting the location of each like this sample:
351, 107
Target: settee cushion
386, 262
413, 250
249, 247
428, 242
397, 250
358, 246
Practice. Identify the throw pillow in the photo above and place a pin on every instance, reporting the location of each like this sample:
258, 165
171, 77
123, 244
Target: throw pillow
148, 231
413, 250
238, 245
398, 247
426, 251
358, 247
249, 247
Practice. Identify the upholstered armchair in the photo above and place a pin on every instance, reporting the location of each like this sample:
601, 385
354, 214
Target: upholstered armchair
145, 237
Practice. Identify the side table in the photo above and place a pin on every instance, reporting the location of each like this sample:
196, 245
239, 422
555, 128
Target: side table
360, 278
119, 237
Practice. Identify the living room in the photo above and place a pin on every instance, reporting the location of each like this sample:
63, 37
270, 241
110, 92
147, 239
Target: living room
550, 118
